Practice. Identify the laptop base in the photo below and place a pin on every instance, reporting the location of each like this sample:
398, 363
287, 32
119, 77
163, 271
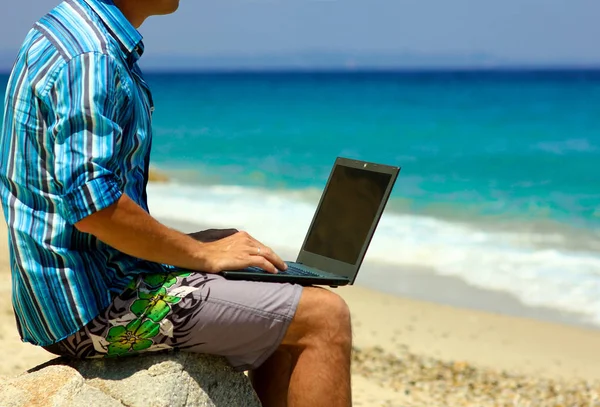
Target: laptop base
256, 274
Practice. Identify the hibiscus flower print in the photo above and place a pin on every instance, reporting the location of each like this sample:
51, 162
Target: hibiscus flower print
154, 304
131, 338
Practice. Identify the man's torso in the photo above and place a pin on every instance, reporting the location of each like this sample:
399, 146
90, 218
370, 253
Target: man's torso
55, 134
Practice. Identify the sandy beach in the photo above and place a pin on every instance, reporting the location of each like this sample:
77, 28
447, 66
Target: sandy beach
420, 353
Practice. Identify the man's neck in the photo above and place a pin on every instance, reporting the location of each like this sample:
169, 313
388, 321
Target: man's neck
131, 12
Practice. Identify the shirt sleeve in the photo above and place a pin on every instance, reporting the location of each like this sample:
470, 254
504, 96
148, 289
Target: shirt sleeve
83, 103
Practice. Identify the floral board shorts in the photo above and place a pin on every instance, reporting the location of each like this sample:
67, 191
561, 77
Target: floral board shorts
243, 321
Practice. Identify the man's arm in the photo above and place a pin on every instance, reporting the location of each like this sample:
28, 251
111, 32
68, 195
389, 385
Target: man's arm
128, 228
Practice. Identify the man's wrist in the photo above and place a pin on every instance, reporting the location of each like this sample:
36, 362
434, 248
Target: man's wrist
199, 255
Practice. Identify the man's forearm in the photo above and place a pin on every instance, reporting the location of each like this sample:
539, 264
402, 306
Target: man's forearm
128, 228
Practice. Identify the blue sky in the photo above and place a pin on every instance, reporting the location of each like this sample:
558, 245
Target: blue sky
544, 32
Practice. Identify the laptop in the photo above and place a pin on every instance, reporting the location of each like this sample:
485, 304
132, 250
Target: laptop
341, 230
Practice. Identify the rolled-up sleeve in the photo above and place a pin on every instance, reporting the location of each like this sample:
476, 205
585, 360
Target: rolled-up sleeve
84, 100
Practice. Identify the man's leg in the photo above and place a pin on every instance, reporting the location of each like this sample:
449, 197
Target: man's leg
314, 356
271, 380
243, 321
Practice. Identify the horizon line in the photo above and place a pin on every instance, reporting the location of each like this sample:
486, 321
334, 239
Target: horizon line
522, 68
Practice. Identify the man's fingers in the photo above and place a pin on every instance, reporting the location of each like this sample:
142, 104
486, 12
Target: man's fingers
271, 256
268, 260
268, 253
264, 264
276, 260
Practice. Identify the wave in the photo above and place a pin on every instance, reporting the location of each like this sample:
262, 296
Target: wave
535, 267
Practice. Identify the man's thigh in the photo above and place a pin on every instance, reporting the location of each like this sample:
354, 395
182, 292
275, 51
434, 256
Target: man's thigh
195, 312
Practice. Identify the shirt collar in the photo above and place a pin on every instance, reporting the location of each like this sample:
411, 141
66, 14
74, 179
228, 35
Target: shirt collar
119, 26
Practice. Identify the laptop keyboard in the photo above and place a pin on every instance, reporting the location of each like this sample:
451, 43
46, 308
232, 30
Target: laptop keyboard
292, 270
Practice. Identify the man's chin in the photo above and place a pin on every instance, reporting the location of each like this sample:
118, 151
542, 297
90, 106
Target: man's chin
170, 8
175, 7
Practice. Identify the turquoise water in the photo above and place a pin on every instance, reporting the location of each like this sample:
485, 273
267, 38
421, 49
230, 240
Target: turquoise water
517, 146
499, 184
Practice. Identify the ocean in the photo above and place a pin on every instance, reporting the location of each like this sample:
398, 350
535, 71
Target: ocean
499, 186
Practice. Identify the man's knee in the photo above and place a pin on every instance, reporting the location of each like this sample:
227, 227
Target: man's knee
321, 316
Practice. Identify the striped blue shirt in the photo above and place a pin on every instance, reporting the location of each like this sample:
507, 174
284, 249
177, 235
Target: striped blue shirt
76, 136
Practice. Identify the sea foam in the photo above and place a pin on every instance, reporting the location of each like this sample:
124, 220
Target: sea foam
521, 264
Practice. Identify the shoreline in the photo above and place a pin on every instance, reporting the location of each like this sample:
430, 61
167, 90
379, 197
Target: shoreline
541, 274
423, 284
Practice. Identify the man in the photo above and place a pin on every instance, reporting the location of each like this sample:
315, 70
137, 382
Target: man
94, 274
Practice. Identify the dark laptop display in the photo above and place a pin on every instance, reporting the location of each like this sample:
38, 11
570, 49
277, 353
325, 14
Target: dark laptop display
347, 212
342, 227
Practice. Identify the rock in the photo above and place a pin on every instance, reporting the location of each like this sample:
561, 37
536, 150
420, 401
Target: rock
162, 380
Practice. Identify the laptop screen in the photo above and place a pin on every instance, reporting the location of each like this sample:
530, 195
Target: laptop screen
347, 212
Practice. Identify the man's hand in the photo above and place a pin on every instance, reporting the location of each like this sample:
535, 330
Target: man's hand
238, 251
